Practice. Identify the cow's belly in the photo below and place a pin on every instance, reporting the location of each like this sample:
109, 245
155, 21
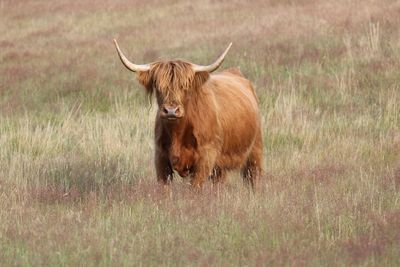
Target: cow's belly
239, 125
237, 145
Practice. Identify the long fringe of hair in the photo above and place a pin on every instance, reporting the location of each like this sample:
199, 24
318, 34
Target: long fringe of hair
171, 77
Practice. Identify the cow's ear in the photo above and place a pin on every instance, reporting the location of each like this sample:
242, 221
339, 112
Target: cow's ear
200, 78
145, 78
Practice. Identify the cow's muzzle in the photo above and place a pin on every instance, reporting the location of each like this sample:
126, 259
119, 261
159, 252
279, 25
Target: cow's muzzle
171, 113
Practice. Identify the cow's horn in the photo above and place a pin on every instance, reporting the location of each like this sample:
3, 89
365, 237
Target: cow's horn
129, 65
215, 65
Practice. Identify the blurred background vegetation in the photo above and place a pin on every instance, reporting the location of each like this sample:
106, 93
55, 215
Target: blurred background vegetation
77, 183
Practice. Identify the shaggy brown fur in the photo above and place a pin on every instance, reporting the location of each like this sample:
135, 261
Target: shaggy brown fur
220, 129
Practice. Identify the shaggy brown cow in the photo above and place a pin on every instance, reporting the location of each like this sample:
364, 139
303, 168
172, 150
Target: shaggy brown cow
206, 123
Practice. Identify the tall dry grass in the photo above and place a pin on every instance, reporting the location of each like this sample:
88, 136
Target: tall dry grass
77, 183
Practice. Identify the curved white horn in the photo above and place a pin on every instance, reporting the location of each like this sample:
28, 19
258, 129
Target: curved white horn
129, 65
213, 66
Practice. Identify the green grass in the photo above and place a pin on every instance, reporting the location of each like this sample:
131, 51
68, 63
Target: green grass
77, 182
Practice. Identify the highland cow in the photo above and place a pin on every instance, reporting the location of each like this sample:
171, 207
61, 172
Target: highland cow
206, 123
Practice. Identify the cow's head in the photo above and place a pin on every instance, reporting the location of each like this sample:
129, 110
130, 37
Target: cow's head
172, 81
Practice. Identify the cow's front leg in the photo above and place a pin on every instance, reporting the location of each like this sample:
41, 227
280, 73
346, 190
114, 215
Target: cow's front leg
163, 167
203, 168
218, 176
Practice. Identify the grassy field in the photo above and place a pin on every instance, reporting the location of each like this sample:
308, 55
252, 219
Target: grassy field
77, 183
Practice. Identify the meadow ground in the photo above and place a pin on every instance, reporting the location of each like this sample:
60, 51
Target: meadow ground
77, 185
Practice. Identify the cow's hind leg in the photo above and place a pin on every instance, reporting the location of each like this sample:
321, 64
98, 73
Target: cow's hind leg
252, 169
